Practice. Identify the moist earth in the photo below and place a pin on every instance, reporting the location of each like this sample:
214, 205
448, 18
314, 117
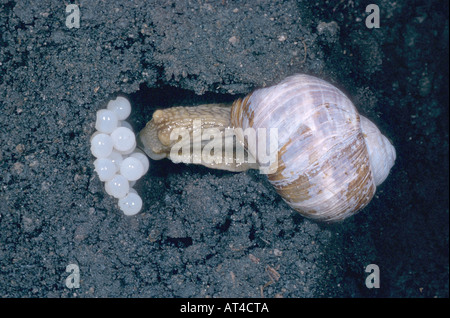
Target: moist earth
205, 233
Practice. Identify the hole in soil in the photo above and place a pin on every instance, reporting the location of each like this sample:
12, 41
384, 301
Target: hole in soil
182, 242
146, 100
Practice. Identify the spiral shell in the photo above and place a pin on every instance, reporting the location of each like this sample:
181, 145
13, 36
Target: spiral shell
324, 169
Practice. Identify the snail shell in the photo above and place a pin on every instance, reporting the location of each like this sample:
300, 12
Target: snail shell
330, 159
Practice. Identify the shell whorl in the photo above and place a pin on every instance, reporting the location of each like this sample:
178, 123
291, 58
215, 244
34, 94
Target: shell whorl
323, 167
382, 154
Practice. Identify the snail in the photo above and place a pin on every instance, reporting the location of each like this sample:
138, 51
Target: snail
327, 158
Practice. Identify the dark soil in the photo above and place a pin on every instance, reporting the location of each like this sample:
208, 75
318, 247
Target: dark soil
205, 233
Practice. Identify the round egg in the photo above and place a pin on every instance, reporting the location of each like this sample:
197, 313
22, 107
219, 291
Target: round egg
106, 121
121, 106
123, 139
101, 145
105, 168
117, 187
144, 160
131, 168
130, 204
129, 151
116, 158
124, 123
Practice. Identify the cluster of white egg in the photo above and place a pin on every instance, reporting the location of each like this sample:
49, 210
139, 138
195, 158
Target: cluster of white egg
119, 164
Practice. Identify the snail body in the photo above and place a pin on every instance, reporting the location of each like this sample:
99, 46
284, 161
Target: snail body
329, 158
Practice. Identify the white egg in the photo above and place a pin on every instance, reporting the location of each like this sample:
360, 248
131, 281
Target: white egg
131, 168
131, 204
105, 168
144, 160
118, 186
124, 123
121, 106
117, 158
94, 134
129, 151
106, 121
123, 139
101, 145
